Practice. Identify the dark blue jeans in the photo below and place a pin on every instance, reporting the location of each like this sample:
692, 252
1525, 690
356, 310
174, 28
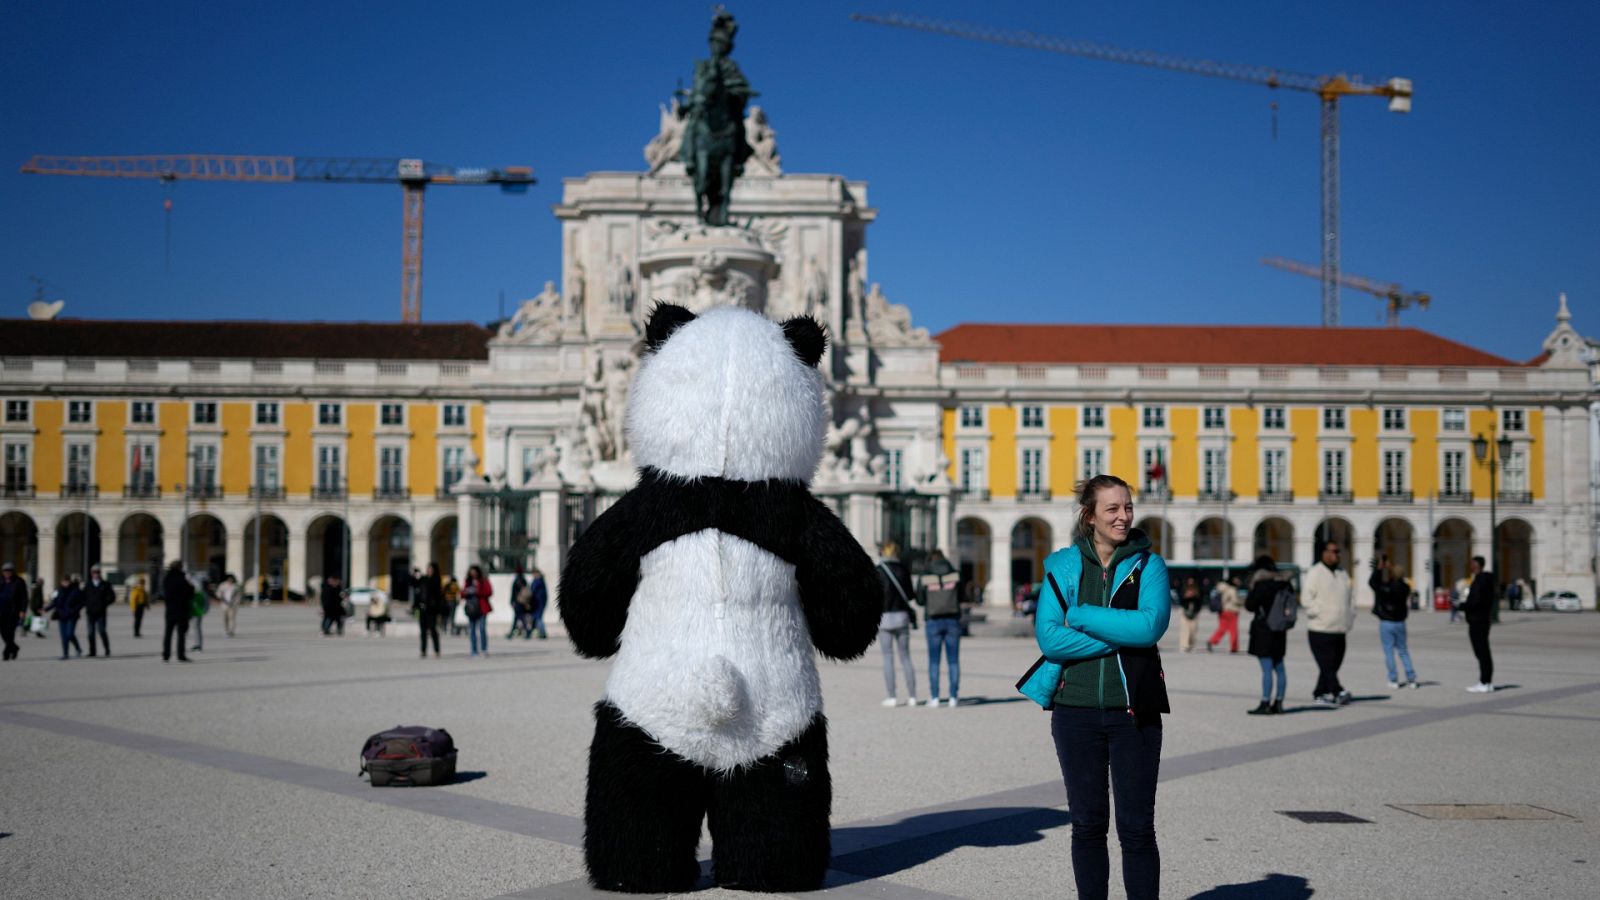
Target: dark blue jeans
1103, 752
944, 634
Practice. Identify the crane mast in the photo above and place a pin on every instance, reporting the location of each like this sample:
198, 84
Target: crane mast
1329, 88
413, 175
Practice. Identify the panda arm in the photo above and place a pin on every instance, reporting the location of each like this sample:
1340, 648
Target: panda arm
839, 587
602, 570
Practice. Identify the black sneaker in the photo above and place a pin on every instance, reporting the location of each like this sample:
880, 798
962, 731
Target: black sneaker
1343, 698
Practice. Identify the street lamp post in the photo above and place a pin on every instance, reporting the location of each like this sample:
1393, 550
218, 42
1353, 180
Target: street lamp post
1480, 452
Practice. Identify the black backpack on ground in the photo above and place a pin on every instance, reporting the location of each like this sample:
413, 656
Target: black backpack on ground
410, 754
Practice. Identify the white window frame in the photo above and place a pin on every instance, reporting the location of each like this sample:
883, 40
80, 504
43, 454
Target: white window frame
1037, 415
895, 470
22, 404
1513, 420
330, 409
1335, 478
1031, 470
78, 457
1093, 417
1394, 466
266, 448
1453, 419
1274, 470
320, 471
970, 416
273, 413
972, 470
1335, 419
1514, 472
1153, 417
1274, 418
1393, 419
133, 412
383, 409
202, 451
1214, 418
12, 453
1213, 470
212, 413
1453, 479
147, 476
75, 407
445, 415
1146, 459
398, 482
446, 452
1092, 461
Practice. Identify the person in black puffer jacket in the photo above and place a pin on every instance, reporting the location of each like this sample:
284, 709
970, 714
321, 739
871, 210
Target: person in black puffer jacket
178, 595
1390, 596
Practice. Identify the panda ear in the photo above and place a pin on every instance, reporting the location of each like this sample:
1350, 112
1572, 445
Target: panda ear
665, 318
807, 337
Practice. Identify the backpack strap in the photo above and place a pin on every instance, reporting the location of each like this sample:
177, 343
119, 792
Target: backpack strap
896, 582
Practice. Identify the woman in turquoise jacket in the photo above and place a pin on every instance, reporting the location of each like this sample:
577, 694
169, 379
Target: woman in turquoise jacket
1104, 607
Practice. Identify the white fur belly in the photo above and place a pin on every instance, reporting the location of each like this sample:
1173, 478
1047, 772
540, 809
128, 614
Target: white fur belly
716, 660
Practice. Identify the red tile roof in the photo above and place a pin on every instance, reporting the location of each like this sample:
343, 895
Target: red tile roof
244, 340
1206, 345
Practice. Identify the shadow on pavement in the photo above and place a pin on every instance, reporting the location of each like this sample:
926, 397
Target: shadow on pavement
1291, 710
928, 841
1370, 698
1274, 886
989, 701
464, 777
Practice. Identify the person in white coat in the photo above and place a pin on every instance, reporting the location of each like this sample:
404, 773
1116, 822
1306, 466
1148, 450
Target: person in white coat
1325, 602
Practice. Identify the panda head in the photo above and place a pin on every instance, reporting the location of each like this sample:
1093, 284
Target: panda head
728, 393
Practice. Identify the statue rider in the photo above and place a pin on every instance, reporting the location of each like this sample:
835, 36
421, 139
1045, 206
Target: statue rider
714, 145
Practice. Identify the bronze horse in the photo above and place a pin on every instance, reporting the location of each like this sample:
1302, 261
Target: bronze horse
714, 146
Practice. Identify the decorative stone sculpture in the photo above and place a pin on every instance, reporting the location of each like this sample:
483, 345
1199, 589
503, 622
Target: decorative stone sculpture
605, 396
816, 289
856, 288
764, 159
668, 142
890, 323
620, 277
538, 318
575, 298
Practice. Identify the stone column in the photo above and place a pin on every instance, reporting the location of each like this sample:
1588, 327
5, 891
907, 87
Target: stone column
234, 554
466, 534
998, 591
171, 541
946, 527
360, 557
47, 560
296, 576
862, 518
551, 555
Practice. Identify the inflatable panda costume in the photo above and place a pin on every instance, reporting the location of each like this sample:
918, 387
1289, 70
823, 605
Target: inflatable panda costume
711, 582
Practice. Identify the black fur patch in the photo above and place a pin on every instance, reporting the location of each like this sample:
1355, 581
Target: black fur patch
839, 589
768, 821
807, 337
665, 318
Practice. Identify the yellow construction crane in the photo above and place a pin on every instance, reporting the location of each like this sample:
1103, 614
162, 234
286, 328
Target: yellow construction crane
411, 174
1329, 88
1395, 296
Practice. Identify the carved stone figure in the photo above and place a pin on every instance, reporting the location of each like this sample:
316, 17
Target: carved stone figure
575, 301
860, 453
764, 159
815, 289
605, 395
714, 147
620, 277
537, 318
668, 142
890, 323
856, 287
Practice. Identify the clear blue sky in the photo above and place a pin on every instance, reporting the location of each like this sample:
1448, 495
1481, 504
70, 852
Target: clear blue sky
1013, 185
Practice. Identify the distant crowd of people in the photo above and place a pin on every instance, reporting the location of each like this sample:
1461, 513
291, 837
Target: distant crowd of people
437, 603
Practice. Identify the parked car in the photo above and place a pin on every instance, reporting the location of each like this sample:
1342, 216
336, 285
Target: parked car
1560, 601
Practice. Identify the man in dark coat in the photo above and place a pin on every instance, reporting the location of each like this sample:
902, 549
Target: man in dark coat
332, 605
98, 595
1479, 608
13, 602
178, 594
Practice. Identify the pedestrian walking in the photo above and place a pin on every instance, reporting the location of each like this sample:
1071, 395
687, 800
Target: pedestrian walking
13, 603
1189, 603
539, 598
452, 600
98, 596
138, 601
66, 606
475, 594
1105, 607
1479, 610
377, 612
177, 595
1391, 598
938, 592
332, 599
198, 607
1267, 643
519, 607
1228, 616
430, 608
230, 595
1329, 614
36, 606
895, 622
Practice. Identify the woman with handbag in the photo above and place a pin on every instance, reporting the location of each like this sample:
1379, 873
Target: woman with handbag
475, 594
896, 622
1104, 608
